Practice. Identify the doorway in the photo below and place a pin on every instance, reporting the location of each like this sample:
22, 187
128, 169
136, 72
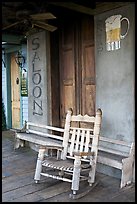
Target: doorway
15, 93
77, 66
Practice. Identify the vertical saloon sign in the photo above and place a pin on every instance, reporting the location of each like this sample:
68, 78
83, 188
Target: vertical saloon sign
37, 80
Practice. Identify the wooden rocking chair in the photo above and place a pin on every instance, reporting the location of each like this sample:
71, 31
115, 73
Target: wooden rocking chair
77, 156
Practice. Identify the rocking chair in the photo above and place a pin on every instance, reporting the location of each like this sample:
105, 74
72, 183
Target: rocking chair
75, 160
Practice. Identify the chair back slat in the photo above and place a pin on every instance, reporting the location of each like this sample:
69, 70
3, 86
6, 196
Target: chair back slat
72, 142
87, 140
81, 137
82, 141
77, 141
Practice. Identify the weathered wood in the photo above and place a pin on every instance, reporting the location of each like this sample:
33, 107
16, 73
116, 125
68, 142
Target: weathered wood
14, 184
113, 151
45, 134
76, 144
27, 189
44, 126
120, 142
84, 118
37, 139
115, 157
83, 192
76, 65
110, 162
53, 190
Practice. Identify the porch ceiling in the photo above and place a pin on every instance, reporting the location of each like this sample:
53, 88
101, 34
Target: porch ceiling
13, 12
16, 15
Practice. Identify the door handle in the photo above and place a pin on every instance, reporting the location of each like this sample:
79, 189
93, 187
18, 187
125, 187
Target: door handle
17, 80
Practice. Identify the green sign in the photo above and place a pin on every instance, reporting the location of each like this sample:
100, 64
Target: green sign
24, 83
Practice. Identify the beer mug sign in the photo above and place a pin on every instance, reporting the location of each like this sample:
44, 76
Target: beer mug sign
113, 32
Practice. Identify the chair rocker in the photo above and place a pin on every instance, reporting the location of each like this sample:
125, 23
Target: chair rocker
76, 159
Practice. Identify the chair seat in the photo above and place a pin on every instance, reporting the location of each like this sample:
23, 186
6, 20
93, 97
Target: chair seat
65, 165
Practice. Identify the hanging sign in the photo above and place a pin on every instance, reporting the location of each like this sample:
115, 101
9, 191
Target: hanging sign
24, 83
38, 63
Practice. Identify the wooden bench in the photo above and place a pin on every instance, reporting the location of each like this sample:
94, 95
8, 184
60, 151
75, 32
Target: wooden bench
111, 152
76, 149
28, 134
118, 154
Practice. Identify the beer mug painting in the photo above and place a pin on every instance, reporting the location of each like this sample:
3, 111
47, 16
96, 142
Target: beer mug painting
113, 32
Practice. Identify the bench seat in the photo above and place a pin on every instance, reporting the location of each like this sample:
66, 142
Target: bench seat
110, 159
37, 139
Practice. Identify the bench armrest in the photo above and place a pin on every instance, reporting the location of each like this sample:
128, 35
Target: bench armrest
58, 129
22, 129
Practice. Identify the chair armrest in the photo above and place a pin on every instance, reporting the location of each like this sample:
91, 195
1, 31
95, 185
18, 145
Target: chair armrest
77, 162
83, 153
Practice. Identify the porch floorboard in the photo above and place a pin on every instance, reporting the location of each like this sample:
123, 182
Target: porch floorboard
18, 168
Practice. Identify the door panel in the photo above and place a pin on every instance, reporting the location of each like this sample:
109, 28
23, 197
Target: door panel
15, 93
67, 71
88, 81
77, 69
88, 67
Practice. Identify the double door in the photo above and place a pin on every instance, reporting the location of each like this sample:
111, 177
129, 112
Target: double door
77, 66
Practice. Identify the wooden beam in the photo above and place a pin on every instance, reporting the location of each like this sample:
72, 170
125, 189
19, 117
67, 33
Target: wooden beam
15, 39
100, 8
106, 6
75, 7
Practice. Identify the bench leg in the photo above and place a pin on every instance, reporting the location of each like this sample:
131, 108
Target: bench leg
76, 175
127, 172
18, 143
39, 164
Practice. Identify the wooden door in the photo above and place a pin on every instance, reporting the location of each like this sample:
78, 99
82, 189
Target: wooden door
15, 93
67, 70
88, 67
77, 70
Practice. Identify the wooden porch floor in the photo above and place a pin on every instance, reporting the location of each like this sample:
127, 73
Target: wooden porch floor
18, 168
